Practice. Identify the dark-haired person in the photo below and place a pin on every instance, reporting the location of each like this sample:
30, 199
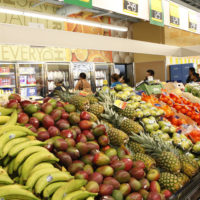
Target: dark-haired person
123, 79
149, 73
83, 84
191, 75
115, 80
59, 87
195, 77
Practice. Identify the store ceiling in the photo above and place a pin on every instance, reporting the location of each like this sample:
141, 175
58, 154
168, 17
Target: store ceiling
195, 3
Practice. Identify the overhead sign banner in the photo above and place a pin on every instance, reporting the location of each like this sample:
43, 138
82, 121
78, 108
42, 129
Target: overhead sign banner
192, 21
130, 6
84, 3
156, 12
174, 14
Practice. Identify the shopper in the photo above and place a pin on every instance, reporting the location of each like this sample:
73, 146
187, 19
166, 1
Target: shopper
191, 75
59, 87
123, 79
83, 84
149, 73
195, 77
115, 80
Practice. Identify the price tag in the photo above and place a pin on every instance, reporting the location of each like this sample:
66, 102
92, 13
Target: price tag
83, 94
49, 178
11, 136
131, 7
120, 104
192, 20
156, 12
174, 14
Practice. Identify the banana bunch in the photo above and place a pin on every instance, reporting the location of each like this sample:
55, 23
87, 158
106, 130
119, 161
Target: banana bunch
26, 159
9, 190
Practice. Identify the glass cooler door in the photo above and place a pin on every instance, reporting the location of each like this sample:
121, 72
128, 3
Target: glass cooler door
7, 78
31, 79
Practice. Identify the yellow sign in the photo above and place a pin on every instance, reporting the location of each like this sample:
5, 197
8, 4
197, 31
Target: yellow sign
174, 14
120, 104
156, 8
26, 53
192, 21
130, 6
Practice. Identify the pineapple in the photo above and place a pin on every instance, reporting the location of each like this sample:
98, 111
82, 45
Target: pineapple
167, 160
183, 177
96, 109
128, 112
135, 147
189, 166
92, 99
117, 137
81, 103
130, 126
148, 161
170, 181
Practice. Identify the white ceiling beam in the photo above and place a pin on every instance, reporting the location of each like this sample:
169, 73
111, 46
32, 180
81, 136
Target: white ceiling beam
23, 35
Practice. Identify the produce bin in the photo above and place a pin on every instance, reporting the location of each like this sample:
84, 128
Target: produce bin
150, 88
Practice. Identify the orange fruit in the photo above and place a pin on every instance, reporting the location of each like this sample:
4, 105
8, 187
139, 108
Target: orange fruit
81, 54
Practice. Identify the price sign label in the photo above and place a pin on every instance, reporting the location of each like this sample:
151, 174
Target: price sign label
120, 104
174, 14
130, 6
192, 20
156, 12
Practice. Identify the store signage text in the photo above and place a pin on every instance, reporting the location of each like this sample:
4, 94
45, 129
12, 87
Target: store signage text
130, 6
26, 53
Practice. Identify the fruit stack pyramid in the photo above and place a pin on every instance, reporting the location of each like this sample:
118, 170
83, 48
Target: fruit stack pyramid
102, 150
31, 166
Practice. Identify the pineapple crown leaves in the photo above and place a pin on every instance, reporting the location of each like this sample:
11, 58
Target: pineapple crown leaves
107, 97
153, 145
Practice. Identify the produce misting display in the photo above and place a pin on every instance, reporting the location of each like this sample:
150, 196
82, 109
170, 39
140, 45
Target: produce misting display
111, 146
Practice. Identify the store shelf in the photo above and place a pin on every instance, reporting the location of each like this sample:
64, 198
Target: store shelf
30, 85
100, 78
6, 74
8, 86
27, 74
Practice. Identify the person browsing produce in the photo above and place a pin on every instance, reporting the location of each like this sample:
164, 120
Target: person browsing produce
83, 84
115, 80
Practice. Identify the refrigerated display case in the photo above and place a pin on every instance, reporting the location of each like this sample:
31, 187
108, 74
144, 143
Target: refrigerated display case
8, 82
60, 71
31, 79
88, 69
103, 71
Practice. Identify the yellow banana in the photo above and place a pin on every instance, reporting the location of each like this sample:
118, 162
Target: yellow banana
10, 167
4, 119
69, 187
25, 154
41, 166
32, 179
80, 194
50, 189
13, 119
15, 192
12, 143
35, 159
5, 180
19, 147
20, 169
5, 111
6, 161
5, 129
90, 198
6, 137
2, 171
45, 180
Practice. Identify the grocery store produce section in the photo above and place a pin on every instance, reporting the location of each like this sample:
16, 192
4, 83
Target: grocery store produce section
114, 145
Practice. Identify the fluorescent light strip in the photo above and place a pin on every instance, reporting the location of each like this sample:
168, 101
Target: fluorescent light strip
63, 19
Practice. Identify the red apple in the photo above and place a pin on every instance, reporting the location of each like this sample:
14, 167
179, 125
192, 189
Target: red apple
64, 115
66, 133
25, 103
15, 97
31, 127
85, 115
53, 131
166, 193
34, 121
13, 103
22, 118
97, 177
154, 187
85, 124
42, 136
137, 173
89, 135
